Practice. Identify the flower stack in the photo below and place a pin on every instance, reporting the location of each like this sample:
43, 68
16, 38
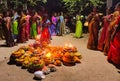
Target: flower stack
37, 56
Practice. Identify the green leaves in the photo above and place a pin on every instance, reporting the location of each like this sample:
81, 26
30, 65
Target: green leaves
97, 2
71, 6
23, 3
79, 5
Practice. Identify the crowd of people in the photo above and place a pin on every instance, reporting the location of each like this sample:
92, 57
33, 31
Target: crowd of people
20, 26
105, 36
104, 31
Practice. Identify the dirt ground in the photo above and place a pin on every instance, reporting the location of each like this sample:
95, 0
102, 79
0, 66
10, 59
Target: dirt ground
93, 66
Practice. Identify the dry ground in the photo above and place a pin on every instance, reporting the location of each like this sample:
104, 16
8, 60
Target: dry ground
93, 67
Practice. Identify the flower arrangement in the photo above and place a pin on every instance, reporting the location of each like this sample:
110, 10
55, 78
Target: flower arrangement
37, 56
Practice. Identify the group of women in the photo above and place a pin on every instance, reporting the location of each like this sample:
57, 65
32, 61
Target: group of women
19, 27
108, 39
58, 24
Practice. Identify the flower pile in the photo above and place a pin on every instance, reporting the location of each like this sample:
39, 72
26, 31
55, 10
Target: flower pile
35, 57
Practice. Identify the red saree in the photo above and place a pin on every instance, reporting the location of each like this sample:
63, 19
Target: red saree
45, 36
101, 41
114, 51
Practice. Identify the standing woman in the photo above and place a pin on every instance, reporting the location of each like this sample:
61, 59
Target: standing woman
39, 24
93, 27
54, 24
106, 22
110, 31
6, 24
15, 18
62, 24
33, 29
45, 36
78, 32
114, 51
28, 24
22, 26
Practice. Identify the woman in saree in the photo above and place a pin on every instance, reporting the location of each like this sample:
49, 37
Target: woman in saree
110, 31
6, 25
114, 51
39, 24
62, 24
22, 28
15, 18
78, 32
33, 30
45, 36
93, 27
27, 25
106, 23
53, 25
